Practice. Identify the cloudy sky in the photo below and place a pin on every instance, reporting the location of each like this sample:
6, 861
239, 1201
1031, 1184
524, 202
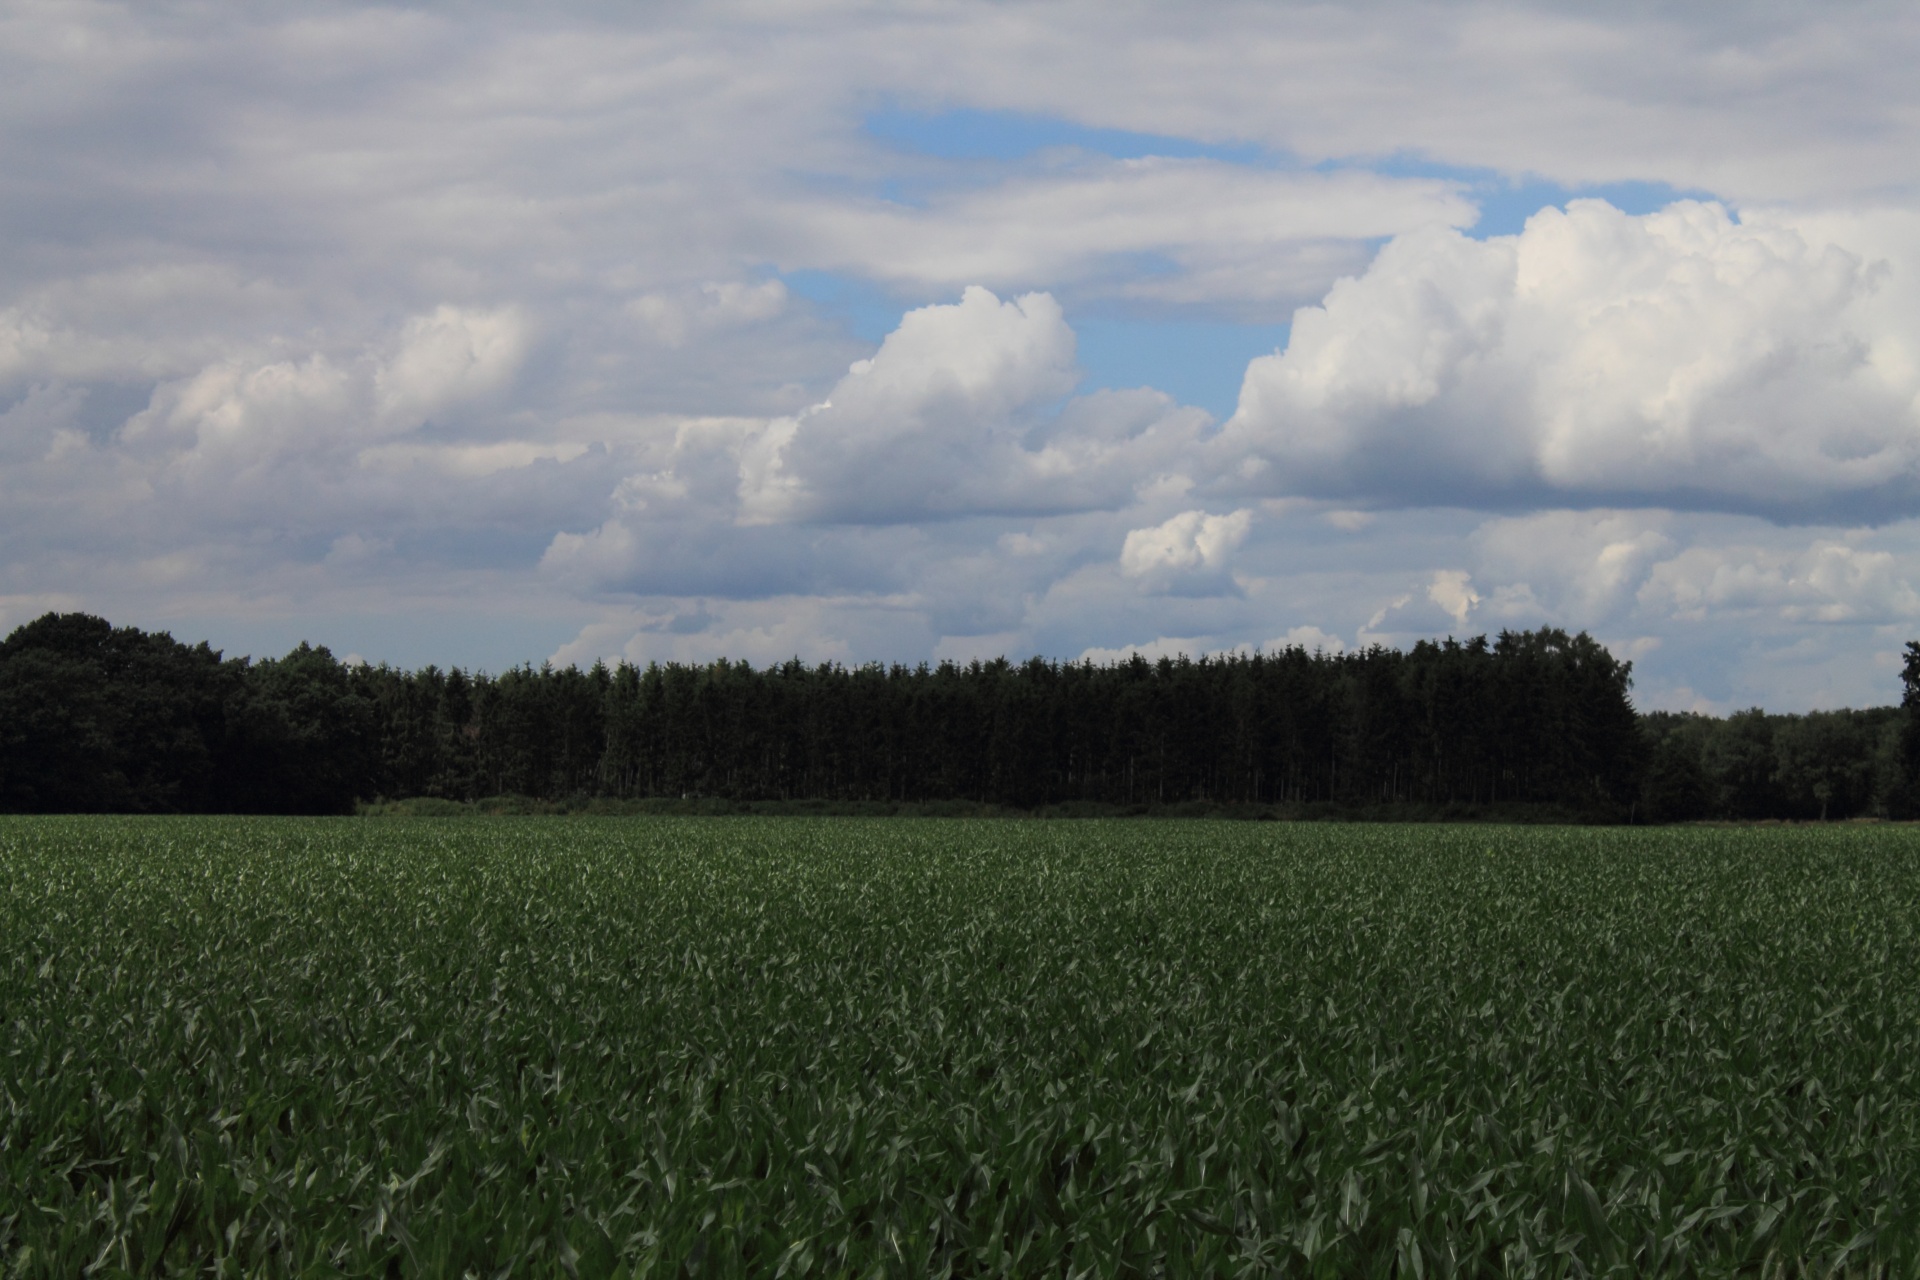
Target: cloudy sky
472, 335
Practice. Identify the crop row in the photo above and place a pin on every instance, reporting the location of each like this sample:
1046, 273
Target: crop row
833, 1047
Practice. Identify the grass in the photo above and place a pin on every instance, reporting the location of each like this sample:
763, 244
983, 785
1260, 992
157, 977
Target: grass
757, 1046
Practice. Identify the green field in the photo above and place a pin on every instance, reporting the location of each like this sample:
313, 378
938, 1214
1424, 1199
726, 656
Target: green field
549, 1047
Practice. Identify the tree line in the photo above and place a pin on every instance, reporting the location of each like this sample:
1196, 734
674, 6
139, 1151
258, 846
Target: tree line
95, 718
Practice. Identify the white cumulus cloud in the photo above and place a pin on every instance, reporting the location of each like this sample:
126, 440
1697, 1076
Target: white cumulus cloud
1578, 567
455, 354
233, 416
1189, 541
952, 417
1310, 638
902, 434
229, 416
1829, 582
1152, 651
1680, 358
1452, 590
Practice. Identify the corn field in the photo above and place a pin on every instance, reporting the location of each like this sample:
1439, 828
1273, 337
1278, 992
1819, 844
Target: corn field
818, 1047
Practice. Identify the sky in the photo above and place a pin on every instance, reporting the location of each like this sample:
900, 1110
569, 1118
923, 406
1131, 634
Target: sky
478, 334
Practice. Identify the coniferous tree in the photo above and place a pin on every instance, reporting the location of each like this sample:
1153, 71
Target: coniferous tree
98, 718
1904, 799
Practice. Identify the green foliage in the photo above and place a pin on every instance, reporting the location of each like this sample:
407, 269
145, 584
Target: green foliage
1534, 718
308, 733
833, 1047
97, 718
1676, 788
1815, 767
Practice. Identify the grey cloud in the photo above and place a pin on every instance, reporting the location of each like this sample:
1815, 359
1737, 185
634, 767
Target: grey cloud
262, 236
1779, 103
1236, 233
1715, 610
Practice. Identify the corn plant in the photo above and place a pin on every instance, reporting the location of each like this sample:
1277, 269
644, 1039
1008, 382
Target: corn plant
821, 1047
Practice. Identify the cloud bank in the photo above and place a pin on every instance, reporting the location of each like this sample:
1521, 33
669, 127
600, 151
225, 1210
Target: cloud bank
490, 335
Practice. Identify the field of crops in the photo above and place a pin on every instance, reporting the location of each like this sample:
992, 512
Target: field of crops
795, 1047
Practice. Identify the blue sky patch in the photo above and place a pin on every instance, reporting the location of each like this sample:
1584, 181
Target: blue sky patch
1506, 202
868, 311
1196, 362
968, 134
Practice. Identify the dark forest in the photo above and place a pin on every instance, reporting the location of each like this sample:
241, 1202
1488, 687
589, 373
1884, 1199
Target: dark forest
95, 718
